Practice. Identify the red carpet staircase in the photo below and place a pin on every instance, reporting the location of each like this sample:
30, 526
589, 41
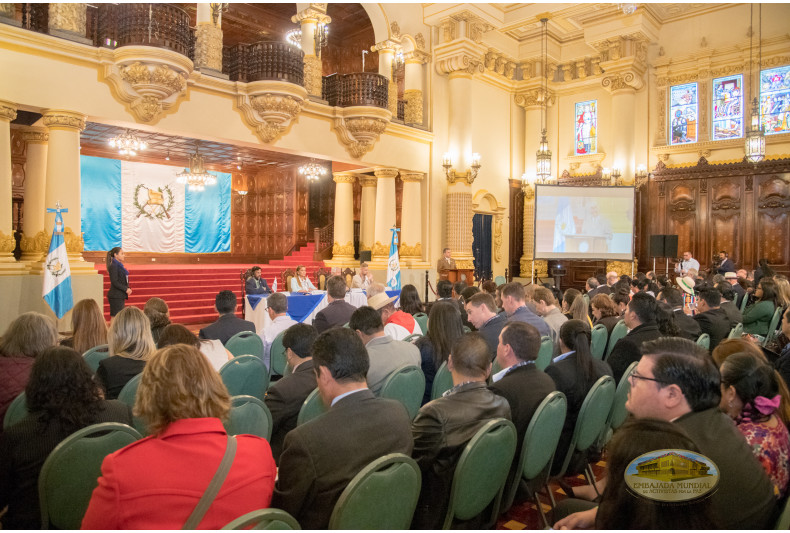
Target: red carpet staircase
189, 290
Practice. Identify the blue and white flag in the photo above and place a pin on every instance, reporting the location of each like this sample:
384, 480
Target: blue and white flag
57, 274
393, 265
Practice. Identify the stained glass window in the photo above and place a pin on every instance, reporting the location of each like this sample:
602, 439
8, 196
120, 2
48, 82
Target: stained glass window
683, 113
587, 127
775, 100
728, 107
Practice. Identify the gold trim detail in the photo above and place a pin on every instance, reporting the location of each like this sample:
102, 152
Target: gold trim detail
271, 107
39, 243
412, 176
56, 118
623, 268
35, 137
7, 110
343, 250
380, 249
414, 105
385, 172
465, 263
68, 17
313, 75
7, 243
366, 181
411, 251
343, 177
208, 47
359, 127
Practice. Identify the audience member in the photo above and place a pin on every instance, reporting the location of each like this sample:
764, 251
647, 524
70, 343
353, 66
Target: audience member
481, 310
604, 312
158, 315
88, 328
757, 317
286, 396
728, 347
573, 306
782, 290
782, 363
363, 279
444, 291
322, 456
385, 353
611, 279
489, 287
26, 337
689, 328
444, 426
621, 299
574, 372
665, 320
277, 308
338, 310
62, 397
516, 309
444, 329
762, 271
711, 317
397, 324
751, 397
228, 324
641, 321
255, 284
157, 482
214, 351
734, 315
130, 345
548, 311
594, 287
732, 279
410, 300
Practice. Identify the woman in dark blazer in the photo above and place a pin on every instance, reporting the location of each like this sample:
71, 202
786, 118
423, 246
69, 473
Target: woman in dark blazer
119, 280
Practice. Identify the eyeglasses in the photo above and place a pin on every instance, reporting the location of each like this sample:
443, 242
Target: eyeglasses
634, 376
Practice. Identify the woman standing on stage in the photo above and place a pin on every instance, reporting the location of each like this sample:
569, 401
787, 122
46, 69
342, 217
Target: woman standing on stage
119, 280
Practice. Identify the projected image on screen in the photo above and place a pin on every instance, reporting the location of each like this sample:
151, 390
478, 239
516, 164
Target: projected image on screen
584, 222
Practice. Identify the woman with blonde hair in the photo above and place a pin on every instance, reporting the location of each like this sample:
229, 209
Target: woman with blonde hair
130, 345
300, 282
574, 306
183, 402
782, 290
88, 328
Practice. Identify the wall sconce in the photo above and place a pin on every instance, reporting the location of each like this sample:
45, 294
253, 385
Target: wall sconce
242, 193
468, 175
640, 176
528, 186
606, 176
616, 173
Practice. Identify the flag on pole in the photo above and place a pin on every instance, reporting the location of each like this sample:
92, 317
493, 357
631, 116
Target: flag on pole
393, 265
274, 284
57, 274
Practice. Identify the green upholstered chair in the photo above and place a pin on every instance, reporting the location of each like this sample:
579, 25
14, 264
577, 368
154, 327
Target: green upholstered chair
422, 320
249, 416
16, 411
245, 375
744, 302
72, 469
313, 407
598, 342
773, 325
407, 385
783, 522
704, 341
245, 343
264, 519
95, 355
442, 381
500, 280
537, 450
619, 413
382, 496
619, 331
736, 332
495, 368
481, 472
277, 360
545, 352
413, 337
586, 298
128, 395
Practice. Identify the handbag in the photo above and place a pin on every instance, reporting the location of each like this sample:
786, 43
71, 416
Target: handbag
213, 487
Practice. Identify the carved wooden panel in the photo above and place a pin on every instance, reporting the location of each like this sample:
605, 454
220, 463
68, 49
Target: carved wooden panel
773, 219
398, 200
516, 227
725, 215
682, 215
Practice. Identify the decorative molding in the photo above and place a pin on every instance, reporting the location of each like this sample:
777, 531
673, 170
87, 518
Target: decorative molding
705, 147
498, 239
380, 249
35, 136
628, 80
271, 107
7, 243
367, 181
37, 244
500, 64
74, 243
359, 127
395, 29
7, 111
412, 176
410, 251
623, 268
420, 40
414, 106
313, 75
343, 177
386, 172
461, 56
593, 161
314, 14
417, 56
386, 44
343, 250
208, 46
68, 17
534, 98
57, 118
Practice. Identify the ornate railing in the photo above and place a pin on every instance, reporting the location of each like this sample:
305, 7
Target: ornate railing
35, 17
359, 88
264, 61
324, 239
401, 109
159, 25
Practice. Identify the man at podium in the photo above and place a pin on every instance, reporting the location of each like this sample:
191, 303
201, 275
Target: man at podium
445, 262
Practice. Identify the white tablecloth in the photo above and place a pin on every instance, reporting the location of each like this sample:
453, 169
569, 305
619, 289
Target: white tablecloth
260, 317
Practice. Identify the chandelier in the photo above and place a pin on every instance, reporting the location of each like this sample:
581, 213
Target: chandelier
627, 8
755, 138
312, 171
294, 37
196, 176
543, 155
127, 143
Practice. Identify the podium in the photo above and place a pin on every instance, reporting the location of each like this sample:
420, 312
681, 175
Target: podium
466, 275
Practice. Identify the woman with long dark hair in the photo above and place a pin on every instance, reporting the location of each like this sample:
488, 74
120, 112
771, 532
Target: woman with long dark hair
757, 317
574, 372
88, 328
62, 396
444, 329
119, 280
410, 300
158, 315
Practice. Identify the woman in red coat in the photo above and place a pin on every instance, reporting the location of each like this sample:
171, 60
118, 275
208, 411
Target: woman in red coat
155, 483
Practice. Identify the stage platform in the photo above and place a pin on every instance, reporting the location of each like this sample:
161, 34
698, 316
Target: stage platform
189, 290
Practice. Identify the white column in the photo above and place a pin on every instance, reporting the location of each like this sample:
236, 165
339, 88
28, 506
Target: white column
343, 247
7, 242
623, 113
411, 216
412, 88
385, 212
34, 236
367, 215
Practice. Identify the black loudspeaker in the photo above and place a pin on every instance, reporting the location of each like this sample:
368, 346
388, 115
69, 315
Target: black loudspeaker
670, 245
365, 255
657, 246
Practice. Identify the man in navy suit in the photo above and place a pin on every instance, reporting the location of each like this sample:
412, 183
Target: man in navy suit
228, 324
726, 263
256, 284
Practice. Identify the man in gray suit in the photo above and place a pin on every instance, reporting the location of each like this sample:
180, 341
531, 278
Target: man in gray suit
516, 308
386, 355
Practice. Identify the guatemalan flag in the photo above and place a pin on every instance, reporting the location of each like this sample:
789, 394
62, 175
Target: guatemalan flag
57, 274
393, 265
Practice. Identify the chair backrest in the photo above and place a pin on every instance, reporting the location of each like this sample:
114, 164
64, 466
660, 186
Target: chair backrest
17, 410
407, 385
313, 407
442, 381
734, 332
422, 320
544, 354
586, 298
321, 275
249, 416
286, 276
95, 355
495, 367
481, 471
129, 391
593, 416
245, 343
783, 522
382, 496
619, 413
264, 519
744, 302
704, 341
412, 337
500, 280
619, 331
598, 342
773, 325
72, 469
245, 375
277, 360
540, 443
348, 275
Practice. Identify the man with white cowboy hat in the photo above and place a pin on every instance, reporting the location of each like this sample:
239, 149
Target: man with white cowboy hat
397, 324
686, 284
740, 292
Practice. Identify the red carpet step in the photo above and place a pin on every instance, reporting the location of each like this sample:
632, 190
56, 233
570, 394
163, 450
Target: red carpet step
189, 290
